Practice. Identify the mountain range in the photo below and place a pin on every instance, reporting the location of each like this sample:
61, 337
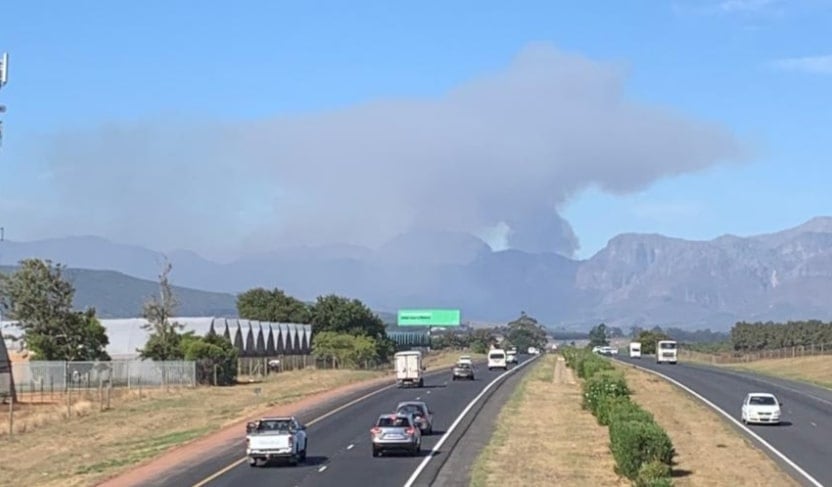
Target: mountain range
637, 279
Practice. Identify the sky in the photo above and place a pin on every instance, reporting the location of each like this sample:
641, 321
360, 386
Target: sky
543, 126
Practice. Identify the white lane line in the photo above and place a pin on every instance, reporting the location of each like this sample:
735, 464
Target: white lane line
814, 424
748, 431
418, 398
351, 446
459, 419
322, 468
428, 392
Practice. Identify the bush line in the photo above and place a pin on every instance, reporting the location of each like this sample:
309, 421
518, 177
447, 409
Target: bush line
641, 448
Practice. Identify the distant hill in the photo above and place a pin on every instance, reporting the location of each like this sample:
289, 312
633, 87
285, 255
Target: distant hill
117, 295
637, 279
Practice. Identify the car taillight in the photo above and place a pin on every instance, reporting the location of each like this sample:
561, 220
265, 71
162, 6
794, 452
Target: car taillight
411, 431
375, 431
248, 441
291, 438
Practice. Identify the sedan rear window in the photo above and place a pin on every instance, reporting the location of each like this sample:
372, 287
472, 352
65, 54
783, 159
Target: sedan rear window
410, 409
762, 401
388, 422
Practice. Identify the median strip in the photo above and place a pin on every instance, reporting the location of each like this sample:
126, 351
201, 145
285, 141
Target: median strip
543, 423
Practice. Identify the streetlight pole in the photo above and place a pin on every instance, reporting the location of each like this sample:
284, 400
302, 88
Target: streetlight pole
4, 78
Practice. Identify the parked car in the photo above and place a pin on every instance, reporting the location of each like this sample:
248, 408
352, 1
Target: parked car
274, 438
395, 432
761, 408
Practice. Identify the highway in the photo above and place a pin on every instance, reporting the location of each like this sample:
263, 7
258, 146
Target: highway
804, 436
339, 445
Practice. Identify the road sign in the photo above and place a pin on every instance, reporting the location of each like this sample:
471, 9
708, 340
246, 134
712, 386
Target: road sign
428, 317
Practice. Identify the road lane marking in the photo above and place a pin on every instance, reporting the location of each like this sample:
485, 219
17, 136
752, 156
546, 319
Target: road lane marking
747, 430
322, 468
350, 447
459, 419
237, 463
813, 424
418, 398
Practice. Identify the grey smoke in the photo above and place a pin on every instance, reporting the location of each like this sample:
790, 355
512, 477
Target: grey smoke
512, 146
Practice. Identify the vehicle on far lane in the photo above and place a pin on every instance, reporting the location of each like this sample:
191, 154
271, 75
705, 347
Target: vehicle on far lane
497, 359
511, 356
395, 432
635, 349
666, 351
466, 359
463, 370
760, 408
409, 368
276, 438
421, 414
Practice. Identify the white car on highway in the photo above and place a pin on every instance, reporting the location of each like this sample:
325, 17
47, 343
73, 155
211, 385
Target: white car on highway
761, 408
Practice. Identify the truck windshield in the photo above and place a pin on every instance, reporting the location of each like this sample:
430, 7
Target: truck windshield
667, 345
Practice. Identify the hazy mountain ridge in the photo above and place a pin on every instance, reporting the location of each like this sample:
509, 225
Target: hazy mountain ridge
643, 279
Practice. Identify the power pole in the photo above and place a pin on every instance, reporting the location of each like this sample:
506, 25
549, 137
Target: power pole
4, 78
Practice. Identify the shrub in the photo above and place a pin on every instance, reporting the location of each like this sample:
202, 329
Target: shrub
602, 385
627, 411
653, 474
592, 365
636, 443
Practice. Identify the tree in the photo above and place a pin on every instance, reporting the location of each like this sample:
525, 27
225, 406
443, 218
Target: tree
649, 339
165, 341
598, 336
215, 355
482, 340
351, 317
40, 299
275, 305
525, 332
347, 350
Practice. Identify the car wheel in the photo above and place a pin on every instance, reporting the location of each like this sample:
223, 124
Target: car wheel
303, 453
421, 383
252, 462
376, 452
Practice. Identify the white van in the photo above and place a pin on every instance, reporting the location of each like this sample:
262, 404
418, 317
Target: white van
409, 368
666, 351
635, 350
497, 359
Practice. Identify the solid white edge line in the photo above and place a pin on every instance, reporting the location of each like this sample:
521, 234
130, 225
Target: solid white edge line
747, 430
459, 418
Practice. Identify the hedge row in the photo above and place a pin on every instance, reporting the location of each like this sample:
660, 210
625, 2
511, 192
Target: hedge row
642, 450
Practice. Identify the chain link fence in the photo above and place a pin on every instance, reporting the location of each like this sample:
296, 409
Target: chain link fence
60, 377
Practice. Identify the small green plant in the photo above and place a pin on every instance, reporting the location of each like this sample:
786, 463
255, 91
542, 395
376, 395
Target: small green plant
637, 443
654, 474
601, 386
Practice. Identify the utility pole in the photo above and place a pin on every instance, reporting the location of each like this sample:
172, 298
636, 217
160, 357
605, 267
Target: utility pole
4, 78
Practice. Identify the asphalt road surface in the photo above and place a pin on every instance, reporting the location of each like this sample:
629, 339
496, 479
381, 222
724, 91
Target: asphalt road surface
339, 446
806, 429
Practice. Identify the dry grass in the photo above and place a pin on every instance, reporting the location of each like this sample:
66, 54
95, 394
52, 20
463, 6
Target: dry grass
94, 445
543, 423
709, 451
816, 369
49, 450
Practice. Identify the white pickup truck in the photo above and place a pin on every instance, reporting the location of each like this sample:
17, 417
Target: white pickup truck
274, 438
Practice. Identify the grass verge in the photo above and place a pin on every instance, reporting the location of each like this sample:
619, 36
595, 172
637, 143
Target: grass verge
560, 444
708, 451
814, 370
93, 445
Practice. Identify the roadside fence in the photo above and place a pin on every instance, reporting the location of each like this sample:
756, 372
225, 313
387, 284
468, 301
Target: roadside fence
739, 357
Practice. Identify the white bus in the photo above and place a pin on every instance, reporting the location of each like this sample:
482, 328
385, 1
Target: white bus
666, 351
635, 350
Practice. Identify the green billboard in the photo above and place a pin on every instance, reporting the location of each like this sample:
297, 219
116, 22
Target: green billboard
429, 317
